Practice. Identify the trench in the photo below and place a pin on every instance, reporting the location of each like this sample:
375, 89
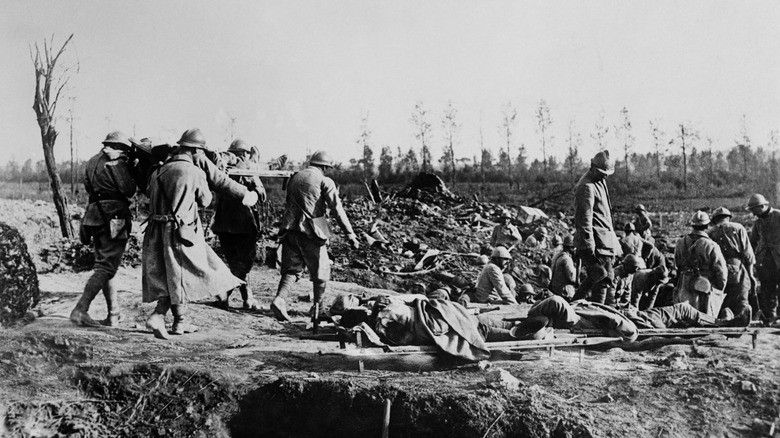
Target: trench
153, 401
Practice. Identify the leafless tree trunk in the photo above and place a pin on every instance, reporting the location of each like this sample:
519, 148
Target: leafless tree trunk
44, 106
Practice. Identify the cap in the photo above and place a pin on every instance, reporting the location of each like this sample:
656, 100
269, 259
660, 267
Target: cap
700, 218
603, 163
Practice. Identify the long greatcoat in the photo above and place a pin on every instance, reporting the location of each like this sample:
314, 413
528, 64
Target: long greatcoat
184, 273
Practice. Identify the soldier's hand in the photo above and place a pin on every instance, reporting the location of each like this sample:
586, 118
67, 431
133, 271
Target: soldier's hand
250, 199
261, 194
353, 241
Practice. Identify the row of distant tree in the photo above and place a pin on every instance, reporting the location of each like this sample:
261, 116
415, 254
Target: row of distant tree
682, 160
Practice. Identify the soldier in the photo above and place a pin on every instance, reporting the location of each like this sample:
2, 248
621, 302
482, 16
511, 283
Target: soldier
304, 231
106, 223
505, 234
735, 246
642, 223
595, 239
564, 271
237, 227
624, 277
701, 268
652, 256
177, 265
631, 243
493, 284
539, 238
765, 238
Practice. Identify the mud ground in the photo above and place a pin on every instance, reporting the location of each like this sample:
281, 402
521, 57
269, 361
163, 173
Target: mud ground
245, 374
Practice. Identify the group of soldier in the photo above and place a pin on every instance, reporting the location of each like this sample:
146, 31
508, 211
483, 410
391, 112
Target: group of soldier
714, 263
714, 268
178, 266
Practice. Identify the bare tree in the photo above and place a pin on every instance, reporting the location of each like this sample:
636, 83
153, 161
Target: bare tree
658, 141
744, 146
364, 140
422, 133
623, 131
50, 80
600, 136
573, 156
685, 138
508, 124
451, 129
543, 122
482, 152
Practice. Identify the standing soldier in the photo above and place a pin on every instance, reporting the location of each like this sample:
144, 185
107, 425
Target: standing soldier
701, 268
106, 223
236, 225
732, 238
765, 238
304, 231
595, 239
643, 223
177, 265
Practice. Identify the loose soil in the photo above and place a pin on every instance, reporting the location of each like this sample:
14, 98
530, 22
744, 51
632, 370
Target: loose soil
245, 374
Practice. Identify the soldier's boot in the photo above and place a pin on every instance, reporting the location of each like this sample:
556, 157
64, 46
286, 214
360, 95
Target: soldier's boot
156, 322
316, 308
223, 300
80, 314
250, 303
180, 324
278, 306
710, 321
112, 304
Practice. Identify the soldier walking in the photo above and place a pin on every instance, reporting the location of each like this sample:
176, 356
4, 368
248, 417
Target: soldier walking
106, 223
304, 231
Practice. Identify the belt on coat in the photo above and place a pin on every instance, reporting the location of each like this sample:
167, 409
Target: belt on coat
162, 218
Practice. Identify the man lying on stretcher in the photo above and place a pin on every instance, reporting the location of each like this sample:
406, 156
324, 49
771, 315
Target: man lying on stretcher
456, 331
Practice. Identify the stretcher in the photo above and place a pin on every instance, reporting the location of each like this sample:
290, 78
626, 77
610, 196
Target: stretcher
694, 332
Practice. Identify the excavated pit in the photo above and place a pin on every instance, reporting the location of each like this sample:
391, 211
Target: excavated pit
148, 400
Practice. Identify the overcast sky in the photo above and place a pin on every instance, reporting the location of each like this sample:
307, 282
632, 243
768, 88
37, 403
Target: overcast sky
296, 76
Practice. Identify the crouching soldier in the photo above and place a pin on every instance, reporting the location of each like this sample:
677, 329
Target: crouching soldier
493, 284
106, 224
236, 225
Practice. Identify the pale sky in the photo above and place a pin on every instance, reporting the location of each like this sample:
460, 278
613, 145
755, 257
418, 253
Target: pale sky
299, 75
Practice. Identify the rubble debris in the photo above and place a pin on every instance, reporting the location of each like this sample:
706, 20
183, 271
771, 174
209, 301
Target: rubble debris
18, 279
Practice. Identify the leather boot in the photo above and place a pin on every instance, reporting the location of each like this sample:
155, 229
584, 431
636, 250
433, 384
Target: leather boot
112, 304
278, 306
250, 303
80, 314
180, 324
156, 322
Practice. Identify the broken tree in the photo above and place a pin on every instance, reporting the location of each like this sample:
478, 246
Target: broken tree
45, 105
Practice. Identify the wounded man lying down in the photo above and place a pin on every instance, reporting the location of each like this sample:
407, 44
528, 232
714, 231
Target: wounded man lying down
456, 331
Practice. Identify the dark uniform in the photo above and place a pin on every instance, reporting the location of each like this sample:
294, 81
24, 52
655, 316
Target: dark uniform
110, 186
236, 226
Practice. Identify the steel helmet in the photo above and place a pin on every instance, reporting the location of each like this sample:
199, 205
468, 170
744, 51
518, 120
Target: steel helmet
629, 227
116, 137
239, 145
500, 252
568, 241
543, 271
144, 144
556, 240
504, 213
634, 260
603, 163
639, 207
526, 289
700, 218
721, 211
192, 138
757, 200
321, 158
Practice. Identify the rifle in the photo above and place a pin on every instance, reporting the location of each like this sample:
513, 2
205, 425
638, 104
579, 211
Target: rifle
286, 174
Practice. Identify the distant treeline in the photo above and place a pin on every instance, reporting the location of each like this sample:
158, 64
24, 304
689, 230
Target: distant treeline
741, 169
